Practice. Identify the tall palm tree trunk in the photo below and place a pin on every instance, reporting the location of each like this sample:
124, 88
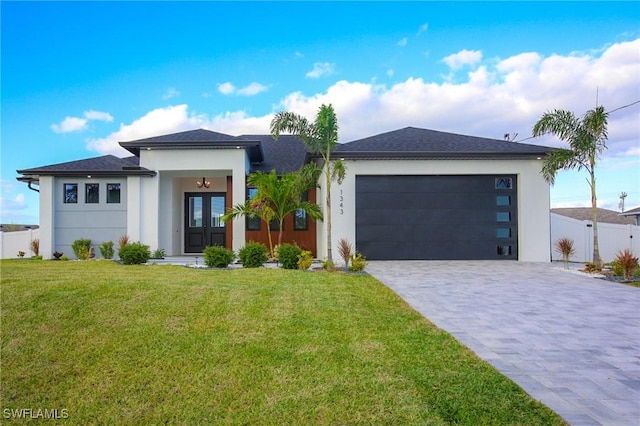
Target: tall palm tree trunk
594, 219
328, 216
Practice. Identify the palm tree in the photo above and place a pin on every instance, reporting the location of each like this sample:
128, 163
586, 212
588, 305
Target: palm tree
587, 139
321, 137
278, 197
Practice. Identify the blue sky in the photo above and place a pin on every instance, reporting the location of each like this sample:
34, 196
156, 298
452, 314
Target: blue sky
79, 77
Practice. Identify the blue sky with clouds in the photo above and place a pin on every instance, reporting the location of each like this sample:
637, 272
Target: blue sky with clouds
77, 77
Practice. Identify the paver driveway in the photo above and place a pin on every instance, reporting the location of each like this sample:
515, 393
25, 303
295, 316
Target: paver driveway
571, 341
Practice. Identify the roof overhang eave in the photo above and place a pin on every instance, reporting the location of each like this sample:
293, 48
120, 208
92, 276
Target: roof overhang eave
253, 148
424, 155
35, 175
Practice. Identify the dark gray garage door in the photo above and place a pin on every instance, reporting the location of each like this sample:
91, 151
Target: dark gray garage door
437, 217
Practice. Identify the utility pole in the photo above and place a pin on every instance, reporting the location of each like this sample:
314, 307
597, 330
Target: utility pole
623, 195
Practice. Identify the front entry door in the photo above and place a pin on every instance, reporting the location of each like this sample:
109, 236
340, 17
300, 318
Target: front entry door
203, 226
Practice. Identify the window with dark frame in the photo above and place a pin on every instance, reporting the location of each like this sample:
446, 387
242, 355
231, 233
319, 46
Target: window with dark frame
91, 193
113, 193
300, 219
70, 193
253, 222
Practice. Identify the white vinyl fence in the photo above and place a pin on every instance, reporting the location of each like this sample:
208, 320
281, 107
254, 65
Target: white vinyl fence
13, 242
612, 238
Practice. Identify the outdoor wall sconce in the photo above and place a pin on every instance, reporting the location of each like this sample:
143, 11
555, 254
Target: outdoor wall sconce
205, 183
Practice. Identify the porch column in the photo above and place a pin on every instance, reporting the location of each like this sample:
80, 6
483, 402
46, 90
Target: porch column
238, 197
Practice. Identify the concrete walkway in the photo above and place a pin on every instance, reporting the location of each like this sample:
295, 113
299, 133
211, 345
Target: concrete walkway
571, 341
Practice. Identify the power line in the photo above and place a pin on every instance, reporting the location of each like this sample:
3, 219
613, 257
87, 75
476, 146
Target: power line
608, 112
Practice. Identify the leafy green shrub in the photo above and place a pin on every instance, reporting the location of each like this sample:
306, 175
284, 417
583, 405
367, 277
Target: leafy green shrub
329, 265
134, 253
64, 257
358, 262
288, 256
81, 248
305, 259
253, 255
158, 254
37, 257
106, 249
218, 257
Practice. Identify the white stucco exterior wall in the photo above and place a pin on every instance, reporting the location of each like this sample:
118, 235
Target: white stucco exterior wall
47, 210
162, 196
533, 198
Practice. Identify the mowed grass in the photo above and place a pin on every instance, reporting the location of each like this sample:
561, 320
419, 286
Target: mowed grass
117, 344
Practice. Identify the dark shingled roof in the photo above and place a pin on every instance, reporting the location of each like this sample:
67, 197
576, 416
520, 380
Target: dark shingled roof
285, 155
107, 165
603, 215
423, 143
289, 153
196, 139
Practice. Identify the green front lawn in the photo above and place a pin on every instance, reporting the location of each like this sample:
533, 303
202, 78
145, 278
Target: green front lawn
116, 344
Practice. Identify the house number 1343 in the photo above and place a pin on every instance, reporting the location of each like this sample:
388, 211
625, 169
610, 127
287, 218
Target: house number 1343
341, 203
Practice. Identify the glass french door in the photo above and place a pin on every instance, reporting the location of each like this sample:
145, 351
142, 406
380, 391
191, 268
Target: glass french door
203, 223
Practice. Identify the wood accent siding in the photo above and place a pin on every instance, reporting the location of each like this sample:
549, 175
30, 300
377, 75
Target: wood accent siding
306, 239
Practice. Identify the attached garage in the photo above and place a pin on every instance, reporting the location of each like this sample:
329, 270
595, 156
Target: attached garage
461, 217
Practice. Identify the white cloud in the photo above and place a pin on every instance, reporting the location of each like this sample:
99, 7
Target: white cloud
70, 124
171, 92
321, 69
505, 96
402, 42
424, 27
174, 119
390, 73
78, 124
252, 89
226, 88
462, 58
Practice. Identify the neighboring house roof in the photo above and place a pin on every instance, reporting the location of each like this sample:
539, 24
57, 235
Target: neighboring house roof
412, 142
632, 212
106, 165
197, 139
603, 215
11, 227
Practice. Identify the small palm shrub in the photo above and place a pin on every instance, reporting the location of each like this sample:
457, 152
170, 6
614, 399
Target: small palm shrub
134, 254
591, 267
81, 248
358, 263
35, 247
218, 257
627, 262
564, 246
253, 255
305, 259
288, 256
106, 249
345, 249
